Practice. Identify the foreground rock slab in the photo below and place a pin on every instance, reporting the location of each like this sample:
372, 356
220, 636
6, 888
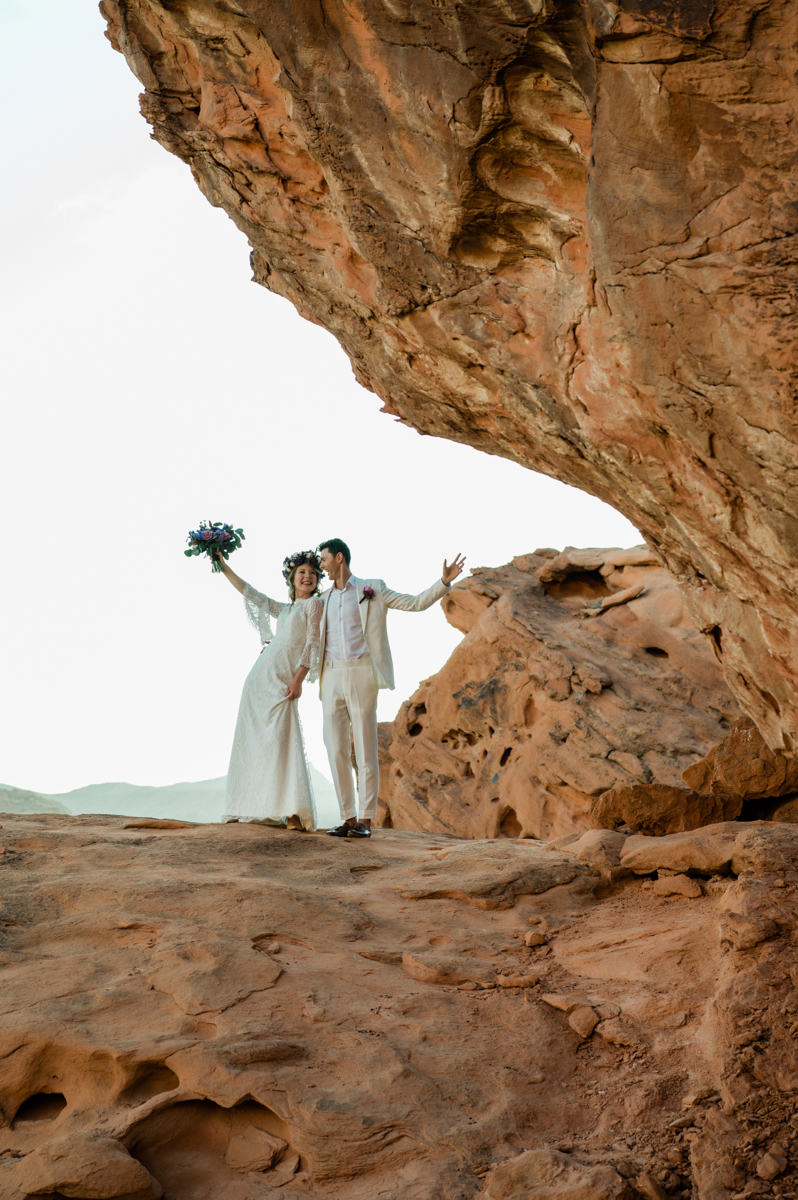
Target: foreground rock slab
238, 1013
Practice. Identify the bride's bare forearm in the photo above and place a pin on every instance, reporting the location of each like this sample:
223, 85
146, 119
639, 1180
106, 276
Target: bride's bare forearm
236, 580
295, 690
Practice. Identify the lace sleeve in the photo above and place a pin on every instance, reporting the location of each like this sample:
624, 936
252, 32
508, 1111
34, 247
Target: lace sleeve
259, 609
310, 655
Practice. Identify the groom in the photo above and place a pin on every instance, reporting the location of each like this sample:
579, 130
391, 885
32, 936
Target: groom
354, 663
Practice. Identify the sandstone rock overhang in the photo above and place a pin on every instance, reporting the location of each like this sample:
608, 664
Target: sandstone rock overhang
561, 232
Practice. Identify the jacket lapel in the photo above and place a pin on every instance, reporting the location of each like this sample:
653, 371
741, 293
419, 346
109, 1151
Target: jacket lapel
323, 639
362, 608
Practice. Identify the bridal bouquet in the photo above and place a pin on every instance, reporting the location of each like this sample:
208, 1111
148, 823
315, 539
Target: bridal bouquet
214, 538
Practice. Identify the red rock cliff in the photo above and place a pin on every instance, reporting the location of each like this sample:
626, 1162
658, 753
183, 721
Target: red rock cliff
560, 232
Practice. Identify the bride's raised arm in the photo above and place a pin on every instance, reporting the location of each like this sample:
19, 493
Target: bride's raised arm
236, 580
259, 606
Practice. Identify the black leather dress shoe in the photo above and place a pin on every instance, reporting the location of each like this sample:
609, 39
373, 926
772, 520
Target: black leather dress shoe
340, 830
359, 830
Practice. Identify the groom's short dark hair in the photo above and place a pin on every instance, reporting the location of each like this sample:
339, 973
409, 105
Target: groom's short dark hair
336, 546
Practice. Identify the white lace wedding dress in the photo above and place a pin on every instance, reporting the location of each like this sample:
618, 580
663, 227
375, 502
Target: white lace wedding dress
268, 779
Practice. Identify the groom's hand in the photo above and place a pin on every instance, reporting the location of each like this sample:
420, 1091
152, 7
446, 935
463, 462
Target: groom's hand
450, 572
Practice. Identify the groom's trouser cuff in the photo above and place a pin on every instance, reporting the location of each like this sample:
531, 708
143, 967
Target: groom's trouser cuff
349, 699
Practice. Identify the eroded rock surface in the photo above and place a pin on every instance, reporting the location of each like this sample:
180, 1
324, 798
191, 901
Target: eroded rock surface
238, 1013
542, 708
655, 808
563, 232
743, 765
740, 775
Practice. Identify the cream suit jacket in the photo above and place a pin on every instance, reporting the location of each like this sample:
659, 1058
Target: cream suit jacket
374, 619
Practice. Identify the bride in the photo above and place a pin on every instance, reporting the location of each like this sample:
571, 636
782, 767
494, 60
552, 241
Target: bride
268, 780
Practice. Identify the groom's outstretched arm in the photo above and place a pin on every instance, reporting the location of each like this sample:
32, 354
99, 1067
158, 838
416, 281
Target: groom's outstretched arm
431, 595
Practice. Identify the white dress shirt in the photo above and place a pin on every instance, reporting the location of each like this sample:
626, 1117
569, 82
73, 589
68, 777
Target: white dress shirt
344, 639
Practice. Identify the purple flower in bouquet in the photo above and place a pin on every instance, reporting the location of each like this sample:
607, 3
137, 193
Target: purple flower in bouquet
207, 535
368, 594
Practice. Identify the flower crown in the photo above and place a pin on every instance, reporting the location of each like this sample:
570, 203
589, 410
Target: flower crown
307, 558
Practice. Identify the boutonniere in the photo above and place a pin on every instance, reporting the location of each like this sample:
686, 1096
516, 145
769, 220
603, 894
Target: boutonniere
368, 594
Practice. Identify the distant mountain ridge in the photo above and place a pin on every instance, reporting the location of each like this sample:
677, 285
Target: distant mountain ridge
199, 801
19, 801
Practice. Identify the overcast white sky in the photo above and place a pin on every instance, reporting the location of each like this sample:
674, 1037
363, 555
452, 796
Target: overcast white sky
147, 384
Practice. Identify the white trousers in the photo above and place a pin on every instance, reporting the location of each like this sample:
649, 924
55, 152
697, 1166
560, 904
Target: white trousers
349, 700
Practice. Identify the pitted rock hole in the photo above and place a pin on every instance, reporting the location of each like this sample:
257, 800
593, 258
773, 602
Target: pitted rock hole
150, 1081
44, 1106
414, 726
459, 738
656, 652
189, 1148
509, 826
581, 585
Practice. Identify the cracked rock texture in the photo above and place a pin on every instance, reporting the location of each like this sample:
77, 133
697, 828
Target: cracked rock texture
560, 231
239, 1013
540, 710
740, 775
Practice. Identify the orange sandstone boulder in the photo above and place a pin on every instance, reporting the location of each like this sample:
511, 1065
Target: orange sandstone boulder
741, 771
549, 702
655, 808
551, 1175
86, 1166
743, 765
